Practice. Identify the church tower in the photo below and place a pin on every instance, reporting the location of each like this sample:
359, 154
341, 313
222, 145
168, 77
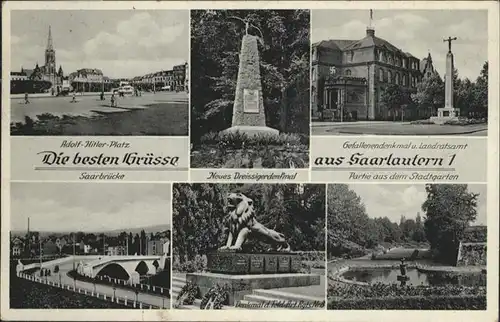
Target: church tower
50, 60
426, 67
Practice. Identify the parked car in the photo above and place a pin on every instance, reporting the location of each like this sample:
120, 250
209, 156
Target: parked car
64, 92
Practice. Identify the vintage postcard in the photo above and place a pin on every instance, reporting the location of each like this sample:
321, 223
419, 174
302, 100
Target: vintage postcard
250, 161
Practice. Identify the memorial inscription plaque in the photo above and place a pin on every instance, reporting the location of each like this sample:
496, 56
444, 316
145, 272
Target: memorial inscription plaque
257, 264
250, 101
270, 264
284, 264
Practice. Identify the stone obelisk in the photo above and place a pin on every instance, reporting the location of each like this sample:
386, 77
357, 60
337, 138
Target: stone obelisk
448, 82
249, 116
448, 112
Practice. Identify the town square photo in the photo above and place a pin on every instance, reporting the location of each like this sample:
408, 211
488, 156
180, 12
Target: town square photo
250, 88
407, 247
99, 72
248, 246
90, 246
399, 72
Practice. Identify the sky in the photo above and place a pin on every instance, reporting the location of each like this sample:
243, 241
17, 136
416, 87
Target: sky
394, 200
415, 31
122, 43
89, 207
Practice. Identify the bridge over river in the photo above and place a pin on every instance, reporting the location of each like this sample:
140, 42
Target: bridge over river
128, 268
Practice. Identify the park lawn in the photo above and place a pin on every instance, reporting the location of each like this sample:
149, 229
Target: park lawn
277, 157
158, 119
26, 294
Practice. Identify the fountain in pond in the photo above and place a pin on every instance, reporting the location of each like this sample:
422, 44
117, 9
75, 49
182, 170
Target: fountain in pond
403, 278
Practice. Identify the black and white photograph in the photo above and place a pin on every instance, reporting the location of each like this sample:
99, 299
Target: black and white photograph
99, 72
399, 72
248, 246
90, 246
407, 247
250, 88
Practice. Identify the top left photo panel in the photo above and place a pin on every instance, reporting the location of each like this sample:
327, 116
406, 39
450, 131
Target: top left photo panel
99, 72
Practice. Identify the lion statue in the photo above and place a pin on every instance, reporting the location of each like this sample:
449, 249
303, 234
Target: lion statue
242, 221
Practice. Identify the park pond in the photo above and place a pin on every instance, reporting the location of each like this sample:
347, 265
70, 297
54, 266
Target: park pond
388, 275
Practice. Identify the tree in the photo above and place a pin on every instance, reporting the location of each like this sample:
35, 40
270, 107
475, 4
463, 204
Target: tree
396, 98
464, 97
198, 218
388, 231
430, 95
143, 243
122, 237
449, 211
130, 244
481, 91
408, 228
136, 248
419, 233
392, 97
348, 224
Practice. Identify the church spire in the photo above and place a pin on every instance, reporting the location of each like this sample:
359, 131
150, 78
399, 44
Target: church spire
49, 41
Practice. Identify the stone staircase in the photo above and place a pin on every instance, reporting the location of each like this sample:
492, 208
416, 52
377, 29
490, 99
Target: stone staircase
256, 298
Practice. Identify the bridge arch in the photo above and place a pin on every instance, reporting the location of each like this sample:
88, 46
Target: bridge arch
114, 270
142, 268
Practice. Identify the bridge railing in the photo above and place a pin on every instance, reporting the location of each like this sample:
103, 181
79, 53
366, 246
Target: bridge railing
144, 288
131, 303
125, 284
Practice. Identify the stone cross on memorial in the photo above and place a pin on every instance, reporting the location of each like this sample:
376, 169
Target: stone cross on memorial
449, 40
249, 115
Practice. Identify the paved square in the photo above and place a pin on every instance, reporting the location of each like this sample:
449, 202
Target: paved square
395, 128
163, 113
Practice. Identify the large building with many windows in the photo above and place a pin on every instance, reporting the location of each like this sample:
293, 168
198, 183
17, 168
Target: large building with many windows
349, 76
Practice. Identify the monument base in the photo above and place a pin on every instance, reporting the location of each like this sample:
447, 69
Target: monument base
445, 114
241, 285
231, 262
251, 131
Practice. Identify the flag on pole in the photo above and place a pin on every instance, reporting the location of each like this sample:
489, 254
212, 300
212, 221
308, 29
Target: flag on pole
371, 14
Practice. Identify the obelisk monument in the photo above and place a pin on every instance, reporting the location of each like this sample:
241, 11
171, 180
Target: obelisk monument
249, 115
448, 112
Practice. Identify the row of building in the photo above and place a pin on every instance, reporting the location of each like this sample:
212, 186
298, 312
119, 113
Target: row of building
32, 245
176, 79
93, 79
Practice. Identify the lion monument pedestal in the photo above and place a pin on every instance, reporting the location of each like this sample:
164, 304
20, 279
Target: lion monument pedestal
243, 272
